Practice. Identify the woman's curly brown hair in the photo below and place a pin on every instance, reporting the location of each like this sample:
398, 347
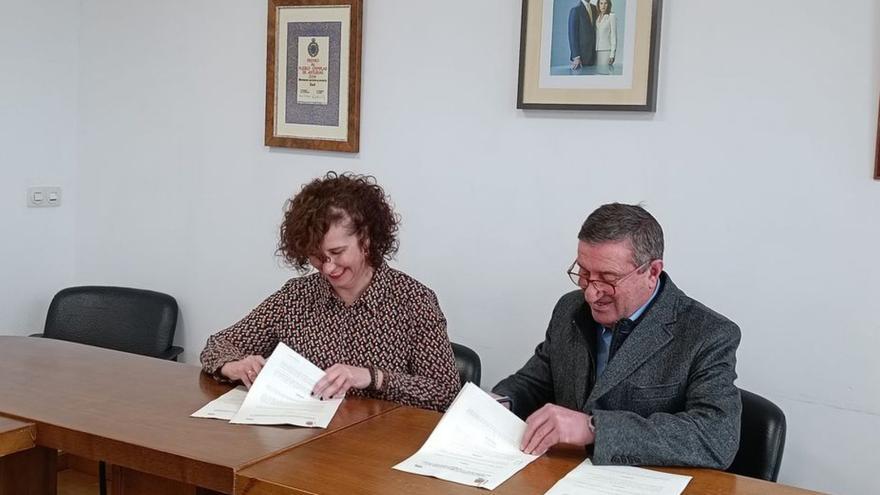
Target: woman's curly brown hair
333, 198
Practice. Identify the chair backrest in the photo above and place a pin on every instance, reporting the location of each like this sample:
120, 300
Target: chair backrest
467, 362
761, 438
131, 320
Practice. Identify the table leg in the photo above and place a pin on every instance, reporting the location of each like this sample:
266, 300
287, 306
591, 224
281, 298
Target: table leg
29, 472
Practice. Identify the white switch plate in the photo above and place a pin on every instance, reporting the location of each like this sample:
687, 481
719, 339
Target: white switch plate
43, 196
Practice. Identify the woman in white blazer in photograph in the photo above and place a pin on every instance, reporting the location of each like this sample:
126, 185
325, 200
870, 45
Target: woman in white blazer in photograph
606, 35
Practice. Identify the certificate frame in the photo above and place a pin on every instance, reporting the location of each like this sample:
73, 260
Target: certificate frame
627, 84
313, 74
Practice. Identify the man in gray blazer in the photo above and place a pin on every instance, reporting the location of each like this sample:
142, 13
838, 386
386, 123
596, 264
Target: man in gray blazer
630, 365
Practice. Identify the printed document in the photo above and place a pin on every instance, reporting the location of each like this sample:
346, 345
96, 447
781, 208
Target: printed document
223, 407
281, 394
587, 479
475, 443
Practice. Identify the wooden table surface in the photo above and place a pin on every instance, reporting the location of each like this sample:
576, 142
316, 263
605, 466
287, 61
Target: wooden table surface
16, 436
133, 411
359, 459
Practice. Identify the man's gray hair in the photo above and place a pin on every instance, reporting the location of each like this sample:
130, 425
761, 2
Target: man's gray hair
617, 222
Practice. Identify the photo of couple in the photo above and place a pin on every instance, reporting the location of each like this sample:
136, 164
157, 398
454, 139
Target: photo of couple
585, 37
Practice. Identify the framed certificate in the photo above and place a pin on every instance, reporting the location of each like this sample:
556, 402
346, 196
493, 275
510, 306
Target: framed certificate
313, 74
589, 55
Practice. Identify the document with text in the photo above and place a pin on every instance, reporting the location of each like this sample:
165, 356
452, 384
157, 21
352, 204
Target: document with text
223, 407
587, 479
475, 443
282, 393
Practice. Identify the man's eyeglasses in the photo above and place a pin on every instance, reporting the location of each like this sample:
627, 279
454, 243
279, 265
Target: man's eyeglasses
610, 288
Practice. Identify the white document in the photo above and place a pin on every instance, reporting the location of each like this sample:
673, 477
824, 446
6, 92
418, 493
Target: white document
223, 407
587, 479
282, 394
475, 443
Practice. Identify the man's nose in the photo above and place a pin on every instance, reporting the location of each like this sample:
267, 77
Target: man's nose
593, 294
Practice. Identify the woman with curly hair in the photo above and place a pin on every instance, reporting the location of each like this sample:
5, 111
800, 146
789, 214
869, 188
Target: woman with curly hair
376, 331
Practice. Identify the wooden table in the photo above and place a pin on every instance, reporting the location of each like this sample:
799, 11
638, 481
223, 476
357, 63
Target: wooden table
16, 436
359, 460
19, 458
133, 412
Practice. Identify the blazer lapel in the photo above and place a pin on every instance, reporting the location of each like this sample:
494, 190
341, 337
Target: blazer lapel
585, 346
649, 336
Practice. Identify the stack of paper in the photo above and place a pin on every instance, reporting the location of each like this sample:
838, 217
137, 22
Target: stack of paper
281, 394
475, 443
587, 479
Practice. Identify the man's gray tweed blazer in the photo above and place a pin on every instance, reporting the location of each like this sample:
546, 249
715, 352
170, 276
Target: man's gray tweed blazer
667, 396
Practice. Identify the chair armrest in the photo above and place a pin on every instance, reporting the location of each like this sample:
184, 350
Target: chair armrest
171, 354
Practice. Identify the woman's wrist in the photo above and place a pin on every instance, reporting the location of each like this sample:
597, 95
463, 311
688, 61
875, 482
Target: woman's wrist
222, 371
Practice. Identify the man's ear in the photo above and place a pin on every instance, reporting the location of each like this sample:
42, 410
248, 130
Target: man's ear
656, 268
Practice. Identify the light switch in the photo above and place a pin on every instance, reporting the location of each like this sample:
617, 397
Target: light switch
43, 196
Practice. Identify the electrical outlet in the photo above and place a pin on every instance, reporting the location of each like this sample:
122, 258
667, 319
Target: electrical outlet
43, 196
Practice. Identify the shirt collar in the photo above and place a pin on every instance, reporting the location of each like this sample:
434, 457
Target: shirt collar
643, 307
370, 298
377, 290
637, 313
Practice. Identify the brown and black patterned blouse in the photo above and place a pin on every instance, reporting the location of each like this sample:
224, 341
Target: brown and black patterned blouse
396, 326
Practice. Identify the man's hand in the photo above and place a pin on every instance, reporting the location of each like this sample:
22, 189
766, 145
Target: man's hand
245, 369
554, 424
338, 379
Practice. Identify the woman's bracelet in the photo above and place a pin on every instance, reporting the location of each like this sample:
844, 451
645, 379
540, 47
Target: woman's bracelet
372, 385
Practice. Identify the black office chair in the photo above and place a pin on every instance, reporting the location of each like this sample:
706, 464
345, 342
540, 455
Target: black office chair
467, 362
130, 320
761, 438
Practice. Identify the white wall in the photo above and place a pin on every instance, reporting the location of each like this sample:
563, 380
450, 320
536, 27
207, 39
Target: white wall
38, 71
757, 163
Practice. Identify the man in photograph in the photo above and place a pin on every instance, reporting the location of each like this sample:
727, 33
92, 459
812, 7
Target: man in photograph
582, 34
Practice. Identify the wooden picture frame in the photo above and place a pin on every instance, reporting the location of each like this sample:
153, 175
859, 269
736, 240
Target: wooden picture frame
618, 69
313, 74
877, 151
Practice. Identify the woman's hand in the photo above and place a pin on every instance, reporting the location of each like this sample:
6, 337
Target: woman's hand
338, 379
611, 60
245, 369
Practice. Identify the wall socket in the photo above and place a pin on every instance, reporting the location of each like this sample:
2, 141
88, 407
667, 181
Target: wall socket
43, 196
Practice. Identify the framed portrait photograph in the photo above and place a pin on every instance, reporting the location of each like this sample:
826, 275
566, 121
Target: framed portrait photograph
313, 74
589, 55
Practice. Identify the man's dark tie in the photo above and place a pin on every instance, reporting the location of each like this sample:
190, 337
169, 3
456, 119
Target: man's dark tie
621, 331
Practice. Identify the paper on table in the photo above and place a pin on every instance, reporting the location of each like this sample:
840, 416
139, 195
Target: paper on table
475, 443
587, 479
281, 394
223, 407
